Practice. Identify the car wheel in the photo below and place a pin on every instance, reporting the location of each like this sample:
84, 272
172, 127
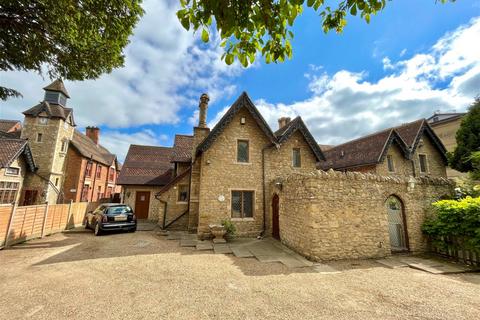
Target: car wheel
97, 230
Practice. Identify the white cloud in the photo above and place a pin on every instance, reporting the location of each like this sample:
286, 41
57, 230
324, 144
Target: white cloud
165, 71
346, 105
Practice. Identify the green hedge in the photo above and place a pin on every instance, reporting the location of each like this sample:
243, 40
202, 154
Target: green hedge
455, 223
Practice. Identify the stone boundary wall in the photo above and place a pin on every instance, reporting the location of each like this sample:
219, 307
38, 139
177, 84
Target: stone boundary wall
334, 215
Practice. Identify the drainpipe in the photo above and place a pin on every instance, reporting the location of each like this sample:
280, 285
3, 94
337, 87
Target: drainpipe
264, 227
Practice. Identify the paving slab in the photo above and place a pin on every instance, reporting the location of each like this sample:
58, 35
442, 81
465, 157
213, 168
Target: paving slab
204, 245
174, 236
188, 243
392, 263
292, 262
324, 269
440, 268
221, 248
146, 226
241, 252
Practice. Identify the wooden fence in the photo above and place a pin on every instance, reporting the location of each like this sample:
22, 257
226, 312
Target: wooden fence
452, 249
18, 224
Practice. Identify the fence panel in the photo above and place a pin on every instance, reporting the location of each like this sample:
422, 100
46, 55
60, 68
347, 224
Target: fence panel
5, 213
29, 222
453, 250
26, 223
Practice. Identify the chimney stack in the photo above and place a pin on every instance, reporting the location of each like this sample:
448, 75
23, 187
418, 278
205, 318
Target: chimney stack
202, 119
93, 133
283, 121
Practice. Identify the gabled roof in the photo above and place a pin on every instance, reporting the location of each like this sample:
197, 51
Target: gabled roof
242, 102
57, 86
147, 165
182, 148
91, 150
7, 125
11, 149
412, 133
371, 149
368, 150
51, 109
297, 124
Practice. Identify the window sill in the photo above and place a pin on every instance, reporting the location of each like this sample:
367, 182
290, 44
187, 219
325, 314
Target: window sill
182, 202
243, 163
242, 219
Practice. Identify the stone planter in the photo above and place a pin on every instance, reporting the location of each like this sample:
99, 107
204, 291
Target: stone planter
218, 232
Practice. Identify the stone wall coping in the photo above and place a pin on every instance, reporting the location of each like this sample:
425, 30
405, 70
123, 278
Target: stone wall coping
351, 175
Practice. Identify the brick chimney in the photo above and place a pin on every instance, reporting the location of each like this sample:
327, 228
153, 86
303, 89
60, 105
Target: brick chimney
283, 121
203, 106
93, 133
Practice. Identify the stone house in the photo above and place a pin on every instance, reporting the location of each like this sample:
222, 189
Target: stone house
63, 155
219, 174
412, 149
16, 161
267, 184
445, 126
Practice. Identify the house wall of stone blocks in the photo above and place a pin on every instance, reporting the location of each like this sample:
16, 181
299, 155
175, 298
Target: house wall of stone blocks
334, 215
174, 207
155, 208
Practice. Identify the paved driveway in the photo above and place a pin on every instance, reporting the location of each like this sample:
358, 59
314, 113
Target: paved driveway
144, 276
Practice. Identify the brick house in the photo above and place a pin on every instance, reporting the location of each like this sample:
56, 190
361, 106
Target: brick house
412, 149
91, 170
218, 174
16, 161
63, 155
13, 127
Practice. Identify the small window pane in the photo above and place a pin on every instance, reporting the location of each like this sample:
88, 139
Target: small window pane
12, 171
423, 163
236, 204
297, 162
242, 151
182, 193
247, 204
39, 137
391, 168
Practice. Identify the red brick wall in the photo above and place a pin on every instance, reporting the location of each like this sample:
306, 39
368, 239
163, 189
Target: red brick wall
75, 172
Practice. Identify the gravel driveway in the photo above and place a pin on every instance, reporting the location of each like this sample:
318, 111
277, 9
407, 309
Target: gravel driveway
144, 276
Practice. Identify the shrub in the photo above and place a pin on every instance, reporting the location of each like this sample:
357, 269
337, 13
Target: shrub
458, 219
230, 228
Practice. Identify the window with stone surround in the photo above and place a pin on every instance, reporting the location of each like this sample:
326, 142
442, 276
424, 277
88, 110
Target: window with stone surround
242, 204
99, 171
422, 158
12, 171
64, 146
85, 192
390, 164
182, 193
88, 169
8, 191
296, 158
242, 151
111, 174
39, 137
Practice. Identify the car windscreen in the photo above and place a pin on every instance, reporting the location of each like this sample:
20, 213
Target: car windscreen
119, 210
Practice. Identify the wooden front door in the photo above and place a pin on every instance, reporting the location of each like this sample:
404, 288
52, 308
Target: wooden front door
142, 204
30, 197
275, 218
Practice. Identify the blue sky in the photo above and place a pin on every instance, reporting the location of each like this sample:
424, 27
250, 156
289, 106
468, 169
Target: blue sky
413, 58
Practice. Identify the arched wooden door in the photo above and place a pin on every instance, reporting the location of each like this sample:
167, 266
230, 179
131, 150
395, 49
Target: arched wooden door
396, 224
275, 217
